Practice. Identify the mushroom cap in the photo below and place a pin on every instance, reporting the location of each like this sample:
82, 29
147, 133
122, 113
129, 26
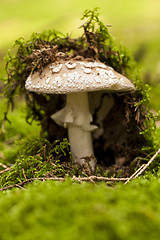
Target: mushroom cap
77, 76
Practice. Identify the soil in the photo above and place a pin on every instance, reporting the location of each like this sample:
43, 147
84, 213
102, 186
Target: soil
120, 141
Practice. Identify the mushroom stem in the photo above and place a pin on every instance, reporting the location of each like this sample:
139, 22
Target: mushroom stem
79, 130
81, 148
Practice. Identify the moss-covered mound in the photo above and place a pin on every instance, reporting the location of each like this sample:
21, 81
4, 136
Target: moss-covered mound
120, 140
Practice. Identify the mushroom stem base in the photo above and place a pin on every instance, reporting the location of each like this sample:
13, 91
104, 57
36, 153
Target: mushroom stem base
81, 148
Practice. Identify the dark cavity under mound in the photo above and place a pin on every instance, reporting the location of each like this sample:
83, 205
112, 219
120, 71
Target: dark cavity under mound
117, 141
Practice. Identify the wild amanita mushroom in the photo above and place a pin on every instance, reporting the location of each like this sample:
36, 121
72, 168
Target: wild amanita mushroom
75, 78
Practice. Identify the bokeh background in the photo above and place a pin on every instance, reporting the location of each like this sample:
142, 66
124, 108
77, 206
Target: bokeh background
135, 24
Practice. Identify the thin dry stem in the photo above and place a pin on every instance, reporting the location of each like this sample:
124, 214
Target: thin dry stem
5, 170
143, 167
3, 165
24, 174
78, 179
134, 174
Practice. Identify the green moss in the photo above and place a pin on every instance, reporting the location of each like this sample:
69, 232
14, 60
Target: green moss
15, 130
39, 158
54, 210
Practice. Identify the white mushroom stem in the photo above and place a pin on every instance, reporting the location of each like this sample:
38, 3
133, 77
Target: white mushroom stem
80, 144
76, 117
79, 132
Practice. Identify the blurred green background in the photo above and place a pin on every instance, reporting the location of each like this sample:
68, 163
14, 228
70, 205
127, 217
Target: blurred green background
135, 24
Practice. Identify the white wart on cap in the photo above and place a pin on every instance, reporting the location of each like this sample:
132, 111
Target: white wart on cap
75, 78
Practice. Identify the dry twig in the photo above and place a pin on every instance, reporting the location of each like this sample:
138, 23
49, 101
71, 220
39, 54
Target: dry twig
24, 174
143, 167
95, 178
78, 179
5, 170
134, 174
81, 179
3, 165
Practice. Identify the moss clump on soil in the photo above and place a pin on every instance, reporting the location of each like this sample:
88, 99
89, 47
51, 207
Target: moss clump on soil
129, 116
40, 159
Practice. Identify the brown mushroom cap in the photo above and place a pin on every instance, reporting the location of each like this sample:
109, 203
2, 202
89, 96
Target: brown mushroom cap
77, 76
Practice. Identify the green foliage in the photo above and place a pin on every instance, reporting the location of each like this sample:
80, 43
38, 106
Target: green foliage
40, 158
16, 126
58, 149
154, 95
55, 210
157, 137
101, 41
15, 130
